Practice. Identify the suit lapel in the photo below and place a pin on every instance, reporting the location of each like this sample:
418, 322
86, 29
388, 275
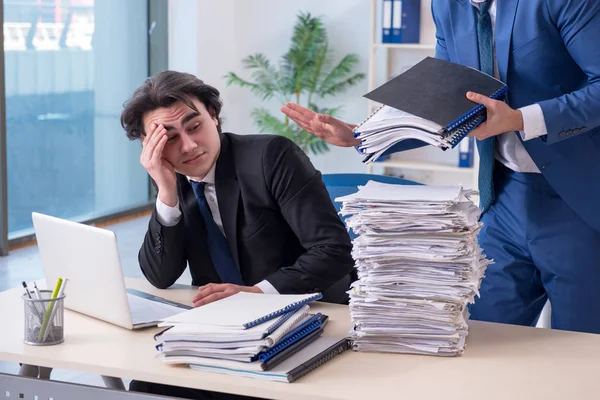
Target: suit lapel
228, 195
463, 19
506, 11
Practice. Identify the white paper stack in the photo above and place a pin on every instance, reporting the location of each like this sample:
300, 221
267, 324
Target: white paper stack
419, 265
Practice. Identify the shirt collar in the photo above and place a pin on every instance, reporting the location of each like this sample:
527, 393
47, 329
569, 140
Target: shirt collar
210, 176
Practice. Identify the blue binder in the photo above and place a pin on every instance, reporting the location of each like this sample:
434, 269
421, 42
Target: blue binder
466, 147
291, 338
406, 21
386, 22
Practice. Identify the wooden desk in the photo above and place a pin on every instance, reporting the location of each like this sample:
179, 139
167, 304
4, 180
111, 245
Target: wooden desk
500, 362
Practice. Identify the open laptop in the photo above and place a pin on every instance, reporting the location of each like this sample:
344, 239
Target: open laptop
89, 258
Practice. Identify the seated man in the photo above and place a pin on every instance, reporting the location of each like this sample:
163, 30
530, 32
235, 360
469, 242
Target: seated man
246, 212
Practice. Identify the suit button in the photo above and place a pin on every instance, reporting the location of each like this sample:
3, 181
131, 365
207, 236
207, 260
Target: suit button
158, 249
562, 134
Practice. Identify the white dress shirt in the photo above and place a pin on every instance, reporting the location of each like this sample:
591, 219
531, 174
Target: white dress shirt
509, 150
169, 216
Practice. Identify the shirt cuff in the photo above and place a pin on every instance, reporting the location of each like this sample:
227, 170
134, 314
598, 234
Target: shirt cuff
166, 215
534, 124
266, 287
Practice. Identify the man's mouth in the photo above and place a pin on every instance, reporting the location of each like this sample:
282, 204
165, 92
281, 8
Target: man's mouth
193, 159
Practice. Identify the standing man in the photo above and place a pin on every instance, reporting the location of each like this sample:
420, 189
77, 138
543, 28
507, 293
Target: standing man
539, 177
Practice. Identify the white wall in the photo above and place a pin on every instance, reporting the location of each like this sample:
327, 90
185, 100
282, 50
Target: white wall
209, 38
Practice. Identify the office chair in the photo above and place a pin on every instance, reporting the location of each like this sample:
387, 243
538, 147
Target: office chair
343, 184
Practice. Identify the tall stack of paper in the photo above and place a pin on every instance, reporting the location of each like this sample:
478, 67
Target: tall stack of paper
419, 265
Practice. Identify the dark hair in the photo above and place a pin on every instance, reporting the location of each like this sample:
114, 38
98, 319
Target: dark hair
163, 90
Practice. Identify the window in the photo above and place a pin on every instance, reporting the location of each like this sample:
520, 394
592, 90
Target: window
69, 67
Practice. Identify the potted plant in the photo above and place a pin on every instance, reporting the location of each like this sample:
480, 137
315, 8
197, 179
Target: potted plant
305, 73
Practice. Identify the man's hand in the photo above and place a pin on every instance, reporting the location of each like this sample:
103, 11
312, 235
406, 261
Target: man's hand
500, 117
323, 126
217, 291
161, 171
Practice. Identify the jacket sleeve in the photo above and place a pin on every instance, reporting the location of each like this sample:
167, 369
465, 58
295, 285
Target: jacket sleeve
162, 256
304, 202
578, 22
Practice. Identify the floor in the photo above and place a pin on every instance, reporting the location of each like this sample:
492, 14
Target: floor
24, 265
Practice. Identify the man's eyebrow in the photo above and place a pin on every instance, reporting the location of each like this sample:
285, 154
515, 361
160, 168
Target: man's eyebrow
184, 121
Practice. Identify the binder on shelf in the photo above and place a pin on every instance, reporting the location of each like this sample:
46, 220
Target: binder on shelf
427, 103
466, 150
396, 21
406, 21
386, 22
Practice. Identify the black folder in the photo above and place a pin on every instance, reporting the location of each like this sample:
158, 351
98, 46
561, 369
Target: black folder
434, 91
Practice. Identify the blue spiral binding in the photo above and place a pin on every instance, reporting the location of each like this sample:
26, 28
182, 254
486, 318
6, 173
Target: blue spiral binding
497, 95
457, 135
292, 339
284, 310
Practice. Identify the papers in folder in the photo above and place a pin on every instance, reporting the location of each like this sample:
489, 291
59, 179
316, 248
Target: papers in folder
419, 265
426, 103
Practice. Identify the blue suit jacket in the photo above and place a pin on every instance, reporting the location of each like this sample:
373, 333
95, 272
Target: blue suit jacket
548, 53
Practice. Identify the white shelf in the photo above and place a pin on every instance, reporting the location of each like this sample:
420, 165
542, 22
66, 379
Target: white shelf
424, 166
406, 46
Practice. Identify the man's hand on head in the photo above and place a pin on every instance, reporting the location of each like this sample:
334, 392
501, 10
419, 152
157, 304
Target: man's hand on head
217, 291
161, 171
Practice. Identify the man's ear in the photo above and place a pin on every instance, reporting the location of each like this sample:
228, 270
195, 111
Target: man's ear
213, 115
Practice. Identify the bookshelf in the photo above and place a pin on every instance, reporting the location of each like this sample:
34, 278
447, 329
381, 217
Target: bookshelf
427, 165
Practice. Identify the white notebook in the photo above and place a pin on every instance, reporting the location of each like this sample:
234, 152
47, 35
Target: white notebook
264, 334
242, 310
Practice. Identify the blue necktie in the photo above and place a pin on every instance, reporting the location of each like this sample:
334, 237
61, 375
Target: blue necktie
220, 254
486, 147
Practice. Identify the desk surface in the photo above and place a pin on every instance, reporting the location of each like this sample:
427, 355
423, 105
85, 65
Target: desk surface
500, 361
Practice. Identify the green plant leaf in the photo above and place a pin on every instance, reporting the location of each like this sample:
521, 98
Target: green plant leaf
338, 80
304, 72
333, 111
268, 123
261, 91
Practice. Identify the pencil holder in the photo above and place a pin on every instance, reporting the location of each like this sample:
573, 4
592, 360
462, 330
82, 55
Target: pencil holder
44, 319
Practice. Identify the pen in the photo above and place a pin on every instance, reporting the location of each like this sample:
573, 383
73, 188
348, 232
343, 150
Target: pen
37, 291
38, 296
60, 293
49, 309
26, 290
38, 312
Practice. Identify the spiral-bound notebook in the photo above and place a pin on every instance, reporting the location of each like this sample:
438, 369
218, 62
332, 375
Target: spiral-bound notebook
249, 358
427, 103
242, 310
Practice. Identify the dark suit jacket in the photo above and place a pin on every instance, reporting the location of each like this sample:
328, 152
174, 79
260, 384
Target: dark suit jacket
278, 218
